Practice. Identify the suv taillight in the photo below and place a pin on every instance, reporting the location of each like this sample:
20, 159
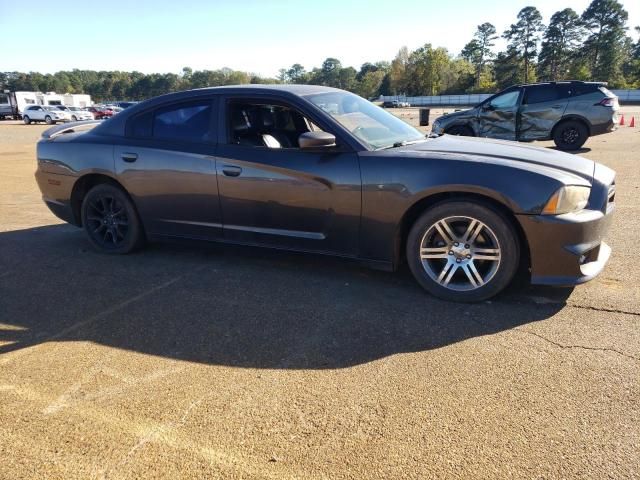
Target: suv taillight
606, 102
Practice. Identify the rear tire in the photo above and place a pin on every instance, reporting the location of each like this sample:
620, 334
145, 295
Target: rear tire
27, 120
462, 251
110, 220
570, 135
460, 130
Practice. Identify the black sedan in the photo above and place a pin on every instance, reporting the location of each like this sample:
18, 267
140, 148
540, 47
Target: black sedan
316, 169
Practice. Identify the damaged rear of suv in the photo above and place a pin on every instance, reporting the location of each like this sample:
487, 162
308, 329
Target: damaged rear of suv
566, 112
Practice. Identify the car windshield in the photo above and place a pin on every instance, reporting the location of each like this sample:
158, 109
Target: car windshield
369, 123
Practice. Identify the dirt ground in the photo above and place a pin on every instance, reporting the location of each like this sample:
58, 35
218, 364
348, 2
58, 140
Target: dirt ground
219, 362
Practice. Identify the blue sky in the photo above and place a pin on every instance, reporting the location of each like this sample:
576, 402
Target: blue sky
252, 35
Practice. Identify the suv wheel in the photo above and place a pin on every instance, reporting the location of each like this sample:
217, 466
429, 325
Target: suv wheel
48, 120
463, 251
570, 135
110, 220
26, 120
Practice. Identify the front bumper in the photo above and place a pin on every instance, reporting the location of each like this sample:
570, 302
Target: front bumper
567, 249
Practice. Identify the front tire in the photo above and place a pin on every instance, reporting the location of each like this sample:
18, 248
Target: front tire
570, 135
48, 120
110, 220
463, 251
74, 118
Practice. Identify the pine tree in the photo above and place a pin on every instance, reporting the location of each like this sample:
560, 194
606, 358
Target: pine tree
523, 38
605, 21
561, 38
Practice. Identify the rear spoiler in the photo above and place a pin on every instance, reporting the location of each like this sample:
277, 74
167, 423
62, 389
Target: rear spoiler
67, 128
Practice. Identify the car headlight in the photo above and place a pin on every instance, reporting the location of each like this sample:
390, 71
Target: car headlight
567, 199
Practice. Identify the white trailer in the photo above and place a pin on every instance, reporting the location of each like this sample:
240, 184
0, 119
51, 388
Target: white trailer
50, 98
79, 100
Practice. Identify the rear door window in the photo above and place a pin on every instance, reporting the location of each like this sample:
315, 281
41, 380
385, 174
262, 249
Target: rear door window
185, 122
540, 94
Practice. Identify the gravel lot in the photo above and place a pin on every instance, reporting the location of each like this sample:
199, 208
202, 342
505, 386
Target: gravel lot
219, 362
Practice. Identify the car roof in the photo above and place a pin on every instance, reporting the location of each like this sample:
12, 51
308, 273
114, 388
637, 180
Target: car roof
562, 82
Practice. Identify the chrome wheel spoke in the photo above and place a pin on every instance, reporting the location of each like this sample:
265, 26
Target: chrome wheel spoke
472, 274
434, 252
474, 229
445, 232
492, 254
447, 273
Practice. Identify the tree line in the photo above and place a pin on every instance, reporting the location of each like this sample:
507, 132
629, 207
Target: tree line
593, 45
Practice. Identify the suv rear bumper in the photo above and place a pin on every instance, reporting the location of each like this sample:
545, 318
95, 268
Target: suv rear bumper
608, 127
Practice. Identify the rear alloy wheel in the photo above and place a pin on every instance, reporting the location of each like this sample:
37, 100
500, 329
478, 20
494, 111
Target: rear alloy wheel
463, 251
570, 135
110, 220
26, 120
48, 120
460, 130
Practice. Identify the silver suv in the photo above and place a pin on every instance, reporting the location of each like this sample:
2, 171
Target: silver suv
566, 112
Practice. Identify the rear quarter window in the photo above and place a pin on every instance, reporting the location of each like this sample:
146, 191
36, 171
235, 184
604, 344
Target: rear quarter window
184, 122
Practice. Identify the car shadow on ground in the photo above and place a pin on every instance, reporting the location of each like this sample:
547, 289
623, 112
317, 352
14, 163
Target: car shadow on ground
235, 306
579, 151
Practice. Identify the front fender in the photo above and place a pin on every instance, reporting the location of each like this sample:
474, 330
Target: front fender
387, 194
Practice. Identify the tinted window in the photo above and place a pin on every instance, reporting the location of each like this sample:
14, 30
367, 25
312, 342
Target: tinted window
583, 88
564, 90
187, 122
140, 125
541, 94
506, 100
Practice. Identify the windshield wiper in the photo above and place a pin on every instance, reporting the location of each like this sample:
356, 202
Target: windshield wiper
402, 143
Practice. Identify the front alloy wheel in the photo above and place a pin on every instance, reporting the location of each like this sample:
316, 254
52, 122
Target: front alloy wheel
462, 251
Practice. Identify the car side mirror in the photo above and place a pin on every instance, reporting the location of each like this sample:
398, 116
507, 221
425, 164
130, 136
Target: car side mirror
316, 139
488, 106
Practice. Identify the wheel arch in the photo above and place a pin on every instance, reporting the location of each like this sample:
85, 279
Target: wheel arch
85, 183
423, 204
574, 118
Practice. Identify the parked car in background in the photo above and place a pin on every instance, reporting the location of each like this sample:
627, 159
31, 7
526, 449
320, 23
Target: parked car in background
396, 104
566, 112
312, 168
44, 113
76, 113
100, 112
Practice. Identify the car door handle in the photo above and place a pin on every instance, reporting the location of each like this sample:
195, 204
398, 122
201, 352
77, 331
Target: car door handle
556, 106
129, 157
231, 170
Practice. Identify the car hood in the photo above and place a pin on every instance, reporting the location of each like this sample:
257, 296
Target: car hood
506, 150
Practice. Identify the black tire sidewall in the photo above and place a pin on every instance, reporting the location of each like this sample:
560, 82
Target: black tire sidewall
134, 237
495, 220
583, 135
26, 120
